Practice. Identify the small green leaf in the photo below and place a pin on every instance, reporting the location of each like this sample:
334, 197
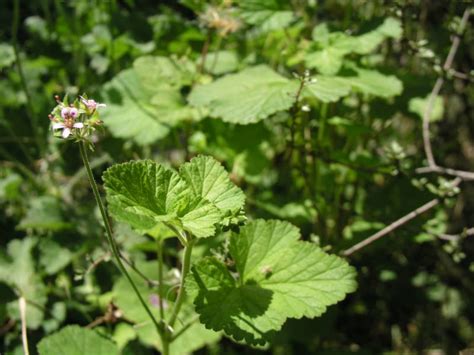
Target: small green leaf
418, 105
74, 340
327, 61
246, 97
7, 55
144, 193
269, 15
374, 83
279, 277
44, 213
328, 88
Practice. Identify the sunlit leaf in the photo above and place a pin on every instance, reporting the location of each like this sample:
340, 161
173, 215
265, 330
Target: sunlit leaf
246, 97
144, 193
279, 277
74, 340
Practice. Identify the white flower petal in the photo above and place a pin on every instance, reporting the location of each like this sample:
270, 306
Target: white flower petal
66, 132
58, 125
78, 125
101, 105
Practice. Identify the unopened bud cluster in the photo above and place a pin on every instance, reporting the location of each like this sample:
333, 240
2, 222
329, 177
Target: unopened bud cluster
75, 120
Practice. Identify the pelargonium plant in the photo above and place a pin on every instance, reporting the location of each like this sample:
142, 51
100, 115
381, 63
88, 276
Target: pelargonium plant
264, 275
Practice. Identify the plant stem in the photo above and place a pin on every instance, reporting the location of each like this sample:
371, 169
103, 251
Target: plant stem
184, 272
24, 336
161, 289
322, 122
29, 103
110, 239
185, 327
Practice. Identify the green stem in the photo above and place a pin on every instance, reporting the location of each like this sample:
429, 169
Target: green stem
161, 288
110, 239
184, 272
21, 74
322, 122
185, 327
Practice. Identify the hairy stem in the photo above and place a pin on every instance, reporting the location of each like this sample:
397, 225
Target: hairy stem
161, 288
184, 272
110, 239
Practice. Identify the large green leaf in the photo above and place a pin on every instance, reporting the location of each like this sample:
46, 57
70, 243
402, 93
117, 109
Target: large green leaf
145, 101
144, 193
246, 97
129, 113
279, 277
74, 340
208, 179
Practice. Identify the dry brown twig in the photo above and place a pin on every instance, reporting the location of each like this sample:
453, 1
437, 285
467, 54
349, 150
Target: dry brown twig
432, 166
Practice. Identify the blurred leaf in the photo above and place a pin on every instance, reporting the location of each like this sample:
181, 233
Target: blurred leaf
328, 88
279, 277
10, 186
221, 62
246, 97
129, 113
269, 15
18, 271
327, 61
74, 340
7, 55
53, 257
332, 47
44, 213
374, 83
418, 105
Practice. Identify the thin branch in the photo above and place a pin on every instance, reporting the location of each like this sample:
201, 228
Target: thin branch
391, 227
436, 89
465, 175
426, 122
398, 223
185, 327
456, 237
24, 335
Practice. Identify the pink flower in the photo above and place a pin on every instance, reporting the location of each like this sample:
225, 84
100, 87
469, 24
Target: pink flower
91, 105
67, 127
69, 112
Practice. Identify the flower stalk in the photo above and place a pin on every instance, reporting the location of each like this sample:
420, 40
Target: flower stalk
110, 239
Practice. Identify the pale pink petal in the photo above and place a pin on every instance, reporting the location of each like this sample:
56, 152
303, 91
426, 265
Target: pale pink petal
78, 125
64, 112
66, 132
73, 112
58, 125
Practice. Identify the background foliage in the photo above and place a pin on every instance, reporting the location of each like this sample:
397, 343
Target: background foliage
334, 151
